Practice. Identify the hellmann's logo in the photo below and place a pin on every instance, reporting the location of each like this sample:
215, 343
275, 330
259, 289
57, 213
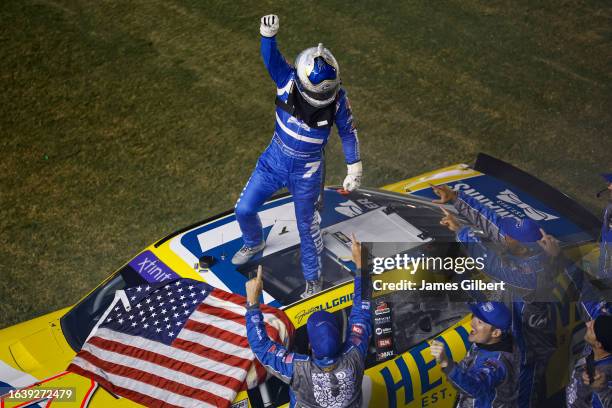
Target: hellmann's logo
504, 198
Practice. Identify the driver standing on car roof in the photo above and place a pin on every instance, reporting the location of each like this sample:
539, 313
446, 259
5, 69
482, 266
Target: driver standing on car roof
309, 100
332, 376
486, 377
512, 256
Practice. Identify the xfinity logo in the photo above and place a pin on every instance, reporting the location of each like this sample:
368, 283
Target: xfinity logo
349, 209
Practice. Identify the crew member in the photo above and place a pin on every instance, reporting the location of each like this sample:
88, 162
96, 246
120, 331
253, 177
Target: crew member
512, 255
591, 382
309, 100
332, 376
486, 377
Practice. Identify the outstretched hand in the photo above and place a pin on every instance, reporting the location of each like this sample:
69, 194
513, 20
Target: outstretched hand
549, 244
437, 351
254, 287
449, 220
356, 250
445, 193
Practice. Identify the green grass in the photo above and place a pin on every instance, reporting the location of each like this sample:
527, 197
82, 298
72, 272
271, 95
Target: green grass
153, 113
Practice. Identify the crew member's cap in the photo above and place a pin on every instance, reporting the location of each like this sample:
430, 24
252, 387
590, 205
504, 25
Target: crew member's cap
324, 334
607, 177
523, 230
494, 313
603, 331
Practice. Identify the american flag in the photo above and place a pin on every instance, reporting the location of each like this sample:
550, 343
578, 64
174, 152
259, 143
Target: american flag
177, 344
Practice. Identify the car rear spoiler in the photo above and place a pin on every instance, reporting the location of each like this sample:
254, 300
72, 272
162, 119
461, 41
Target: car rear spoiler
553, 198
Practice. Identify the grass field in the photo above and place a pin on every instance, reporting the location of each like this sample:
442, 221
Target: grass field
124, 121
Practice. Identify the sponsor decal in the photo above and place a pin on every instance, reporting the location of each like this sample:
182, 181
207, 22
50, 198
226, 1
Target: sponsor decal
241, 404
281, 353
272, 348
383, 343
382, 320
151, 268
509, 196
507, 204
381, 311
323, 306
288, 358
357, 329
255, 319
349, 209
537, 322
383, 330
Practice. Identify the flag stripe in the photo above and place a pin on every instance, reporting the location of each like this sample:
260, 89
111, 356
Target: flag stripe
226, 314
160, 396
235, 326
121, 354
187, 355
127, 374
218, 333
229, 306
212, 354
215, 344
136, 396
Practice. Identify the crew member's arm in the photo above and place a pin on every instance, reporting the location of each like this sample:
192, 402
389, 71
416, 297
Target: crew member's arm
481, 216
275, 63
477, 381
360, 320
272, 355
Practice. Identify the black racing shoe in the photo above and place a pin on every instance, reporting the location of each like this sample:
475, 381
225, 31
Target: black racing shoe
312, 287
245, 253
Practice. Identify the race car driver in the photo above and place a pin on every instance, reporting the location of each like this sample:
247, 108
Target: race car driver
309, 100
332, 376
591, 382
514, 257
486, 377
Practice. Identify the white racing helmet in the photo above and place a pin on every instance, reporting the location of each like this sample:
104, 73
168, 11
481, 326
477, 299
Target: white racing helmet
318, 76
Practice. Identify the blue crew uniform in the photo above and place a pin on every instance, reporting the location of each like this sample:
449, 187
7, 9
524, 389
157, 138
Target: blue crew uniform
486, 377
332, 382
293, 159
532, 325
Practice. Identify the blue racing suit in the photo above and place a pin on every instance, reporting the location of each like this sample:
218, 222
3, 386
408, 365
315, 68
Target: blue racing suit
333, 382
532, 324
486, 377
293, 159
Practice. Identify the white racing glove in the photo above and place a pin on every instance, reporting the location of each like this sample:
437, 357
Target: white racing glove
352, 180
269, 25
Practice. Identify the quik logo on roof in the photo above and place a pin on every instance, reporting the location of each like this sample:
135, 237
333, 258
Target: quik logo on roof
151, 268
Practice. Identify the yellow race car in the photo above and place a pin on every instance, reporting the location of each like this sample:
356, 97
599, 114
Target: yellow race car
400, 370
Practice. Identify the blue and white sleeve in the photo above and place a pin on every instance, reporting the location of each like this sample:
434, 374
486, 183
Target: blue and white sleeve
346, 128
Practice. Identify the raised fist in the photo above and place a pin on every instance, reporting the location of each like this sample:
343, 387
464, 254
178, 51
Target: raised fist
269, 25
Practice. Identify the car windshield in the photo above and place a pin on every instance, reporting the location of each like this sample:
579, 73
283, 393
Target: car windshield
81, 319
411, 223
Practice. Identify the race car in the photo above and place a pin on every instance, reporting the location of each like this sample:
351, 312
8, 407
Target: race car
400, 371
